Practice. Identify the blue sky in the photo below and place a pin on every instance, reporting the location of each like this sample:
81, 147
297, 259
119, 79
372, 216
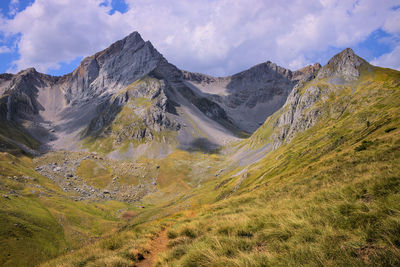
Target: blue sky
217, 37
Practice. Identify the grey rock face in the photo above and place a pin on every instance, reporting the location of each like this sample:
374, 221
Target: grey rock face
152, 118
249, 97
21, 93
5, 80
59, 111
90, 95
112, 69
295, 119
344, 65
301, 111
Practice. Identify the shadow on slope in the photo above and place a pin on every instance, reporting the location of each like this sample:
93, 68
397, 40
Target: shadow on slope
202, 145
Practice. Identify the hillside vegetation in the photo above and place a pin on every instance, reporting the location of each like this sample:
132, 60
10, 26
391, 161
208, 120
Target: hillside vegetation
329, 197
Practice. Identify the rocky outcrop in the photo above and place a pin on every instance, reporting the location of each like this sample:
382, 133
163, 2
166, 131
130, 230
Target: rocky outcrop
147, 117
344, 65
305, 104
21, 94
5, 80
306, 72
249, 97
299, 114
112, 69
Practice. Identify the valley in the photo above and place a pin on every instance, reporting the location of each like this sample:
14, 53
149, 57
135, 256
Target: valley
129, 161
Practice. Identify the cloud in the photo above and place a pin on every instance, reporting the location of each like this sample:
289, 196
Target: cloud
4, 49
392, 23
389, 60
213, 36
59, 31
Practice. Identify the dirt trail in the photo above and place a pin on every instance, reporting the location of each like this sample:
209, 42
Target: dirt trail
158, 245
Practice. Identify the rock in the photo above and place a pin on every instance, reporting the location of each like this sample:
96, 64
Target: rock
254, 94
57, 169
106, 192
344, 65
6, 196
219, 172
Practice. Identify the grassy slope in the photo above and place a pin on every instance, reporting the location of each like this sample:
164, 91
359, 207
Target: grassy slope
9, 130
38, 221
330, 197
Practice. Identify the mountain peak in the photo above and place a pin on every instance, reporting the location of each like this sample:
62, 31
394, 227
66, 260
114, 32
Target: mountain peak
346, 57
27, 71
113, 68
345, 64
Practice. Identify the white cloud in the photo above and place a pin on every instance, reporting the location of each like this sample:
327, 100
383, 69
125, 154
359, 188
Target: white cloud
59, 31
213, 36
5, 49
389, 60
392, 24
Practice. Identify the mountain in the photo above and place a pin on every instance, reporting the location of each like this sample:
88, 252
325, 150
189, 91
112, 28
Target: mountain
249, 97
130, 161
174, 110
306, 103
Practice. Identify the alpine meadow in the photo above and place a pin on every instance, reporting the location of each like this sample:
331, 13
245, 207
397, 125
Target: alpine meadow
130, 161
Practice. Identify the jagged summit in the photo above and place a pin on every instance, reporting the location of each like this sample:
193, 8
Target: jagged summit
131, 83
345, 64
113, 68
250, 96
306, 71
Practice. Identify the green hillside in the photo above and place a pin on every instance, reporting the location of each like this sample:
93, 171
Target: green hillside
329, 197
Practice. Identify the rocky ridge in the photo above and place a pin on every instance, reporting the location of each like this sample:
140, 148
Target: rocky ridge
305, 104
129, 92
60, 111
249, 97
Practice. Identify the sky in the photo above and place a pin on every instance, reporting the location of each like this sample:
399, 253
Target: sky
216, 37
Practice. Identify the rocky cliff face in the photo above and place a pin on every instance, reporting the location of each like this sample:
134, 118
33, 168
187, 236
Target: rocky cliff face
249, 97
21, 93
305, 105
130, 92
344, 65
5, 80
145, 102
129, 75
111, 69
